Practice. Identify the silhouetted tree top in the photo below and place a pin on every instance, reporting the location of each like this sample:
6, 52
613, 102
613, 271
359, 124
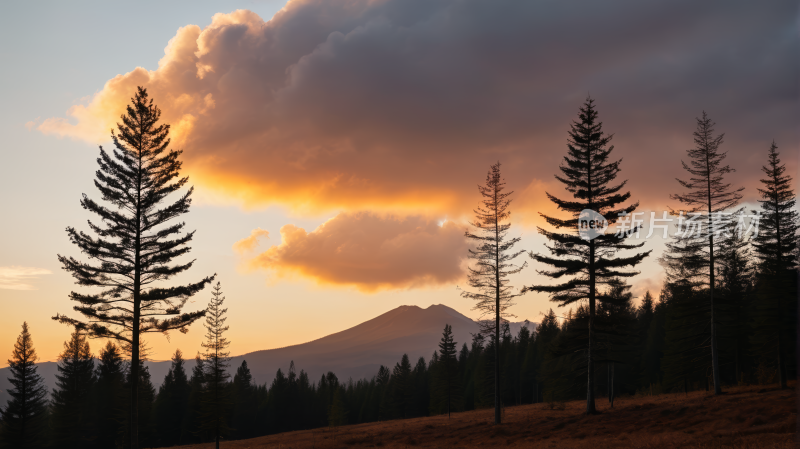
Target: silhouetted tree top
134, 244
132, 248
776, 242
23, 418
493, 254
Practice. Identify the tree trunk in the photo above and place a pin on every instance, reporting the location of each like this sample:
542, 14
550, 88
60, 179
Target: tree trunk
135, 373
781, 362
497, 365
590, 407
497, 314
612, 385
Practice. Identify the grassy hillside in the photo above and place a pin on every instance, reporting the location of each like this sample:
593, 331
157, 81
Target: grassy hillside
744, 417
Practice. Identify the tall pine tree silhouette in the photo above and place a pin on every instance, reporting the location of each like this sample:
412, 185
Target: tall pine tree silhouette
215, 398
493, 256
136, 241
588, 175
73, 418
777, 250
24, 418
708, 193
447, 382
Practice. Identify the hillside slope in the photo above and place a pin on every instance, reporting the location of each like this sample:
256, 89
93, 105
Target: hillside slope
744, 417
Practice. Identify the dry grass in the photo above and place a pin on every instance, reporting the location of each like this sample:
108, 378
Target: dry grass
743, 418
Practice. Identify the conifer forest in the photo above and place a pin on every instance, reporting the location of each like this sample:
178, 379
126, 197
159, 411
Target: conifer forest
396, 153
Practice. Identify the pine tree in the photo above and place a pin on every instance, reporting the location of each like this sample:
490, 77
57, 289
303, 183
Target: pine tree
708, 193
524, 340
191, 430
421, 397
173, 396
109, 395
546, 333
777, 248
401, 387
590, 262
24, 417
216, 357
145, 401
337, 415
617, 330
447, 381
735, 279
650, 367
382, 381
244, 404
685, 355
493, 257
135, 241
73, 418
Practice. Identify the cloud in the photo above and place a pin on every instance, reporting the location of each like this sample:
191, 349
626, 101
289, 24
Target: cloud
402, 105
370, 252
20, 278
251, 242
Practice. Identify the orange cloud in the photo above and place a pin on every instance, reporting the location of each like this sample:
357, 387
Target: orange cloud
251, 242
401, 106
370, 252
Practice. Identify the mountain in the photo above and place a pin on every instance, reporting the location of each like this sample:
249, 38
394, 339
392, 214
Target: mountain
354, 353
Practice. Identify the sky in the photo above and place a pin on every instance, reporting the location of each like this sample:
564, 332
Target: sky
336, 146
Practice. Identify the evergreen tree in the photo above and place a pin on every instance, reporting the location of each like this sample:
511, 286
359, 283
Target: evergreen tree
685, 354
654, 343
777, 248
493, 257
382, 381
447, 380
545, 333
73, 418
337, 415
420, 379
173, 396
644, 313
735, 278
617, 329
708, 193
244, 403
109, 397
587, 175
215, 397
191, 429
135, 241
144, 404
401, 387
524, 340
24, 418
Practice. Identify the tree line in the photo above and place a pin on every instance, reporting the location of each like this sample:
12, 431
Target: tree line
198, 402
724, 316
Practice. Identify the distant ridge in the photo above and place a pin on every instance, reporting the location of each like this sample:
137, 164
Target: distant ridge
354, 353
